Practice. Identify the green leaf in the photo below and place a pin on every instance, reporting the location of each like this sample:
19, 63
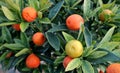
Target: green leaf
116, 37
36, 71
75, 63
79, 70
7, 23
88, 37
97, 54
14, 46
24, 39
100, 2
45, 21
86, 7
12, 5
59, 60
54, 11
94, 12
23, 51
108, 5
109, 57
3, 56
34, 4
26, 69
53, 40
17, 61
76, 3
87, 51
107, 37
46, 59
116, 52
24, 26
44, 5
109, 45
67, 36
87, 67
6, 35
58, 28
8, 13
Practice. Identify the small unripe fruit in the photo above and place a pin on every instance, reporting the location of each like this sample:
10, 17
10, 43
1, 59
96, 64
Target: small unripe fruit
113, 68
74, 48
16, 27
32, 61
104, 13
66, 61
9, 55
73, 22
29, 14
38, 38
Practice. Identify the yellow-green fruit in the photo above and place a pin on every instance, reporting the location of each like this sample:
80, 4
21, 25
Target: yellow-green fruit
74, 48
104, 13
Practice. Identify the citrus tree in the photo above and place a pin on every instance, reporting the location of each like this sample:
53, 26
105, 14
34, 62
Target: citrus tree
60, 36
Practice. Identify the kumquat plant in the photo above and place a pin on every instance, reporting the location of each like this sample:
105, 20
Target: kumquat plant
60, 36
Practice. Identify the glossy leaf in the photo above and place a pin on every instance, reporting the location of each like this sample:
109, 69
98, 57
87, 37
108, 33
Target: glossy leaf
13, 5
45, 21
116, 37
34, 4
58, 28
24, 26
3, 56
44, 5
107, 37
98, 54
116, 52
88, 37
14, 46
109, 45
7, 23
24, 39
59, 60
54, 11
8, 13
53, 40
87, 67
6, 35
109, 57
75, 63
23, 51
86, 7
67, 36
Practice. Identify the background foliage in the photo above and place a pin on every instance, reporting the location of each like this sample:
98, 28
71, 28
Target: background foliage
101, 40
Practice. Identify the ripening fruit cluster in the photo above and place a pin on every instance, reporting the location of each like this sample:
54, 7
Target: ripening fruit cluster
73, 49
29, 14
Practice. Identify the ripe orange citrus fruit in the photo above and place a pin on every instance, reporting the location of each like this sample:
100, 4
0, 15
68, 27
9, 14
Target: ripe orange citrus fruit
32, 61
66, 61
113, 68
29, 14
74, 48
38, 38
16, 27
104, 13
73, 22
9, 55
